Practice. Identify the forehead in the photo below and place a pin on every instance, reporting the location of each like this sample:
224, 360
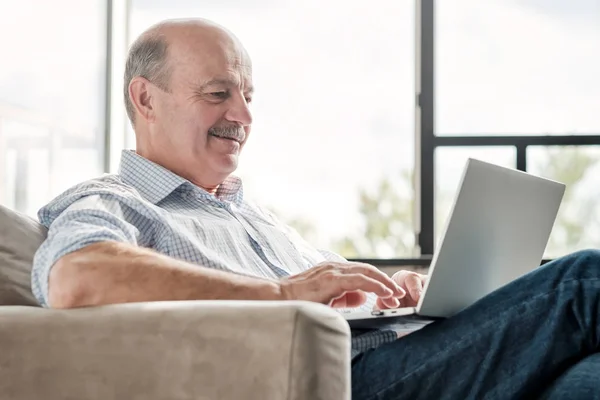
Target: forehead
210, 58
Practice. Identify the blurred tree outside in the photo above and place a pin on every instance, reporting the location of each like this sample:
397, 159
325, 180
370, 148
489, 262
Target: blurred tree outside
579, 211
387, 215
387, 211
387, 222
574, 226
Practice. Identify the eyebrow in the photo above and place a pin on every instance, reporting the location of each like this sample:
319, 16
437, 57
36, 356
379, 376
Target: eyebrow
224, 82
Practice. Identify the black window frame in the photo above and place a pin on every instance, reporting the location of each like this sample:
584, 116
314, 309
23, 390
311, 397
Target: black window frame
427, 140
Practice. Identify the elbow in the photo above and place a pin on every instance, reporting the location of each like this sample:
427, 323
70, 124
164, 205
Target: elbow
68, 284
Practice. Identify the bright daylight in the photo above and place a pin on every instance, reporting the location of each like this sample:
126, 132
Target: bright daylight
272, 199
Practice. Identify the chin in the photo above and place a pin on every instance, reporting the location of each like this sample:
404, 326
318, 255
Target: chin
227, 164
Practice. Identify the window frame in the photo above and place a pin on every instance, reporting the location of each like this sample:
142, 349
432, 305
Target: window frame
426, 138
117, 26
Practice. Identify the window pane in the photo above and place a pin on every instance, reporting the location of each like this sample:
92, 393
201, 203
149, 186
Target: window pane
449, 165
517, 67
578, 219
332, 144
51, 98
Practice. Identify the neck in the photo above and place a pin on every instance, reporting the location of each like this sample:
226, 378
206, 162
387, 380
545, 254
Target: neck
211, 189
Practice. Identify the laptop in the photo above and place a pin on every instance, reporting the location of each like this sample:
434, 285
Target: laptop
497, 231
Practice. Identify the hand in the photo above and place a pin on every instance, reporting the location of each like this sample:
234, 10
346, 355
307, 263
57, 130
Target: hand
412, 283
339, 284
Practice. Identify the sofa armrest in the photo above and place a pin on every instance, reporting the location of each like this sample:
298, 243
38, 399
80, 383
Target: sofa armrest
175, 350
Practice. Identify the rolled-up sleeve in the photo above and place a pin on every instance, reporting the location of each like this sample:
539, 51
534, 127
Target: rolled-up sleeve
88, 220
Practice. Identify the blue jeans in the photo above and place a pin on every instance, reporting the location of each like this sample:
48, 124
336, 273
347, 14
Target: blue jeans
537, 337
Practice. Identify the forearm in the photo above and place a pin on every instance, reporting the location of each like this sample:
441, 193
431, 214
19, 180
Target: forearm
111, 272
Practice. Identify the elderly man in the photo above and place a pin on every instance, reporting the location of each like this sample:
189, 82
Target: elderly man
174, 225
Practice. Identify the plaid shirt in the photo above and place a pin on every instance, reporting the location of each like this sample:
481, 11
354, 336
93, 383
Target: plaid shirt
150, 206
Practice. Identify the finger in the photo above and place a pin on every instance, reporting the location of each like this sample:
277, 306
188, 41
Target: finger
414, 285
390, 302
374, 273
349, 300
353, 282
384, 304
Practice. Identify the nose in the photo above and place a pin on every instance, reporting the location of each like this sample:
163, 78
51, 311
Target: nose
239, 111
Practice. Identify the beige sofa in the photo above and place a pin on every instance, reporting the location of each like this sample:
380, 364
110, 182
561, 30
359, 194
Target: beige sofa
162, 350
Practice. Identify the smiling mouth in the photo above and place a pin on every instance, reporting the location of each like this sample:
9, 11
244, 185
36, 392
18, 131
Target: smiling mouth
234, 133
234, 139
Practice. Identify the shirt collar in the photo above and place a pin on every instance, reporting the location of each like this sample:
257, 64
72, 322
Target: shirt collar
155, 182
231, 190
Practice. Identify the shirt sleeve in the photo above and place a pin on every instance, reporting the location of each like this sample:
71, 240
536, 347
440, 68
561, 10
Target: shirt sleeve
331, 256
88, 220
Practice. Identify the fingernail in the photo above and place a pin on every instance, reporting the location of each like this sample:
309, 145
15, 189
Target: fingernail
389, 291
396, 302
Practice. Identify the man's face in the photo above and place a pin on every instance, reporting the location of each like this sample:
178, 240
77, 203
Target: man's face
203, 121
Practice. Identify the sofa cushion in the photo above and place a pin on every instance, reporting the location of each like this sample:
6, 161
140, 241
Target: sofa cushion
20, 237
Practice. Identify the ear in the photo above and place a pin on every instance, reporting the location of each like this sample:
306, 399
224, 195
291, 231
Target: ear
140, 95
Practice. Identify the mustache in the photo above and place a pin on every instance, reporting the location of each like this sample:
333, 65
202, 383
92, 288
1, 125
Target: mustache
228, 131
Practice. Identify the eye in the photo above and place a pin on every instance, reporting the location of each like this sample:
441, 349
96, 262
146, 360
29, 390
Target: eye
220, 95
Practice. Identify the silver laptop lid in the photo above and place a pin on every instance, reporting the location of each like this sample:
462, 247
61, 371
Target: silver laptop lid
497, 230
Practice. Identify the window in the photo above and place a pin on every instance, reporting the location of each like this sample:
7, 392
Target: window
332, 145
578, 219
52, 82
520, 76
517, 67
332, 150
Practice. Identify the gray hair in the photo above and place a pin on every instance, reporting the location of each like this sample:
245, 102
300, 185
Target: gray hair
147, 58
